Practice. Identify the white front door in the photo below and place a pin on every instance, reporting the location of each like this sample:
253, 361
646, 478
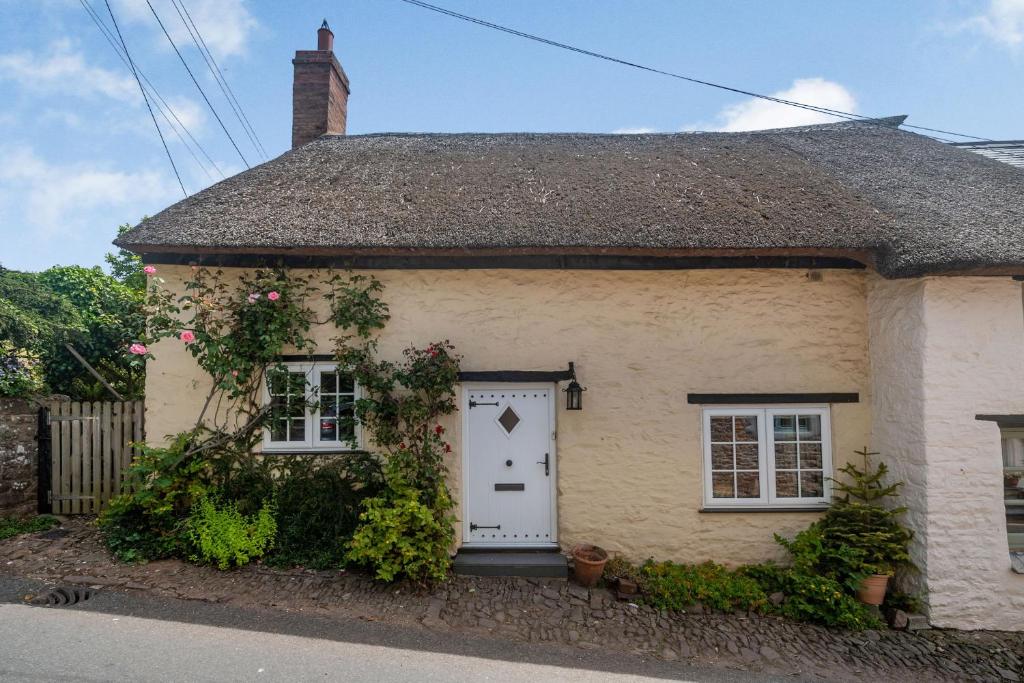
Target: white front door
509, 465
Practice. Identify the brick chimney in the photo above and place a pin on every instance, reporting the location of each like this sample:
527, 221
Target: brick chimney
319, 91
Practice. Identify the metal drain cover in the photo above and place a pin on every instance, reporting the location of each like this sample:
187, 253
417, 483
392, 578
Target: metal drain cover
62, 597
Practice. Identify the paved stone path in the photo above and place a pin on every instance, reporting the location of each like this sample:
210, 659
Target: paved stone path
537, 610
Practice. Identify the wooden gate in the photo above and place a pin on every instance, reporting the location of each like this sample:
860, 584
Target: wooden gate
91, 445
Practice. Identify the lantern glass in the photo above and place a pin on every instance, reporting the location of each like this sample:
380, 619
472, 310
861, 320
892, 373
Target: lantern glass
574, 396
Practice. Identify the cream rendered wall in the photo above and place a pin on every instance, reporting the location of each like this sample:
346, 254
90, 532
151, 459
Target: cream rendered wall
942, 351
630, 461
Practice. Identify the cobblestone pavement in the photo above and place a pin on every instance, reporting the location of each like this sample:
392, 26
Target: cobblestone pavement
537, 610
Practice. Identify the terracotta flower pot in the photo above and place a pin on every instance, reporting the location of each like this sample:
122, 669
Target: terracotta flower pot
588, 564
872, 589
626, 587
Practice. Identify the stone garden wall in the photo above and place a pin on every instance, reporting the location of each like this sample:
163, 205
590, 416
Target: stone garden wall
18, 457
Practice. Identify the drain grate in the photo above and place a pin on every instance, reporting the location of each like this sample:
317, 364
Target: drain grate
62, 597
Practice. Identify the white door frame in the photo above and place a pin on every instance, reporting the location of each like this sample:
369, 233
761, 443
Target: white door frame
552, 388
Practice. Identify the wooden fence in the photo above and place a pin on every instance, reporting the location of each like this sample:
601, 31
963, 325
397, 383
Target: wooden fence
91, 445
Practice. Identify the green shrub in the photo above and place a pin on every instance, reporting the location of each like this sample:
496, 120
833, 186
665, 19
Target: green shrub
144, 522
318, 506
15, 526
810, 597
221, 535
667, 585
21, 373
621, 568
402, 537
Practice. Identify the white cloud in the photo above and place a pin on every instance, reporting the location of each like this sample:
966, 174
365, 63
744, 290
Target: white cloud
225, 25
66, 199
1003, 21
633, 131
65, 70
189, 112
758, 114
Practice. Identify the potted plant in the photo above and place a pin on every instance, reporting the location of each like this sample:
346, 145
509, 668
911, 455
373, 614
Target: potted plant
1011, 479
860, 522
588, 563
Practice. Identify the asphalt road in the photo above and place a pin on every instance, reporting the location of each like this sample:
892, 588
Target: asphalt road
115, 636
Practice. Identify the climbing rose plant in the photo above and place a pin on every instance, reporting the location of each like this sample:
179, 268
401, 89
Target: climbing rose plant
237, 331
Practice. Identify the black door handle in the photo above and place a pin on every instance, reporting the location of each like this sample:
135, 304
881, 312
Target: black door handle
547, 464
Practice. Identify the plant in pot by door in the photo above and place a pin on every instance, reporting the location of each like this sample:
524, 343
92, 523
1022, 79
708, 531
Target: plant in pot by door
860, 520
588, 564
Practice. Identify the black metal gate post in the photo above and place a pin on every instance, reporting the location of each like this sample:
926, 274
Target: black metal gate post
45, 461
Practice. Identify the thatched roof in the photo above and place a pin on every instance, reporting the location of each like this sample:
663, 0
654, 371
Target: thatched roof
901, 202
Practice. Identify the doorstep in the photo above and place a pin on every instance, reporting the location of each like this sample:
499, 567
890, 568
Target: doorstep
531, 563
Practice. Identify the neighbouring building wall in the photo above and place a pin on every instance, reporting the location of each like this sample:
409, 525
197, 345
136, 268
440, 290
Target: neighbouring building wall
18, 457
629, 463
944, 350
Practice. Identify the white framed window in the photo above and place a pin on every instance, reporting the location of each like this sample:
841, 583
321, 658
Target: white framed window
767, 457
311, 408
1013, 485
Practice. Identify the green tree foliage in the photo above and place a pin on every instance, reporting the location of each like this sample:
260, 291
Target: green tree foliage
126, 267
84, 307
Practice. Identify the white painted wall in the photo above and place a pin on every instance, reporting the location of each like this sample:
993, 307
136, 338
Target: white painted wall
942, 351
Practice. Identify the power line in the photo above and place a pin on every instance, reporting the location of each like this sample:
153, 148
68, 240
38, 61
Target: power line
144, 97
193, 77
162, 106
529, 36
222, 83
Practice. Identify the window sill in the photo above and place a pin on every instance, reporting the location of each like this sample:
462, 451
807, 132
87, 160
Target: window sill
311, 451
763, 508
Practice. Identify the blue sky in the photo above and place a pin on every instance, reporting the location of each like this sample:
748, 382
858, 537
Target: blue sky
79, 156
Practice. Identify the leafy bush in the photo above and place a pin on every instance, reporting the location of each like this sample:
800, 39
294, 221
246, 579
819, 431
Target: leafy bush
144, 522
667, 585
402, 537
15, 526
21, 374
621, 568
810, 597
221, 535
318, 506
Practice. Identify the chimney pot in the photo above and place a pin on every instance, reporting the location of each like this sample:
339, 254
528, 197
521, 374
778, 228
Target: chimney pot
324, 38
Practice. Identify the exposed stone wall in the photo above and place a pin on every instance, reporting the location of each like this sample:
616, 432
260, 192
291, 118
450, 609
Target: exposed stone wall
18, 456
944, 350
630, 463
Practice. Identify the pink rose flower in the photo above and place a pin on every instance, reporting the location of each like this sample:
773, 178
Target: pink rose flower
234, 373
273, 296
138, 349
187, 336
149, 270
253, 296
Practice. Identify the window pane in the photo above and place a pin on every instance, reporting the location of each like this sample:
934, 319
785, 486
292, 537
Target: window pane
721, 456
346, 383
746, 428
746, 456
721, 429
346, 424
748, 485
298, 430
328, 429
328, 406
722, 485
785, 485
279, 430
328, 382
784, 427
812, 484
810, 427
785, 456
810, 456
